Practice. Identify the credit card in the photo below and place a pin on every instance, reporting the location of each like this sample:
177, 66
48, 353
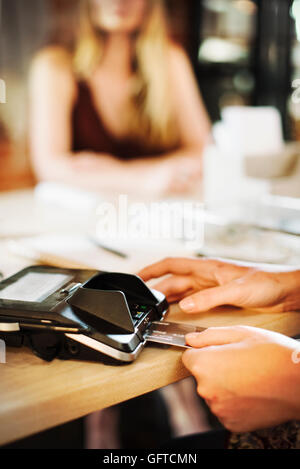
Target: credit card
171, 333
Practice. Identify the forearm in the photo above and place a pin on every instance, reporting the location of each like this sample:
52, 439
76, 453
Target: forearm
77, 170
194, 151
102, 172
90, 171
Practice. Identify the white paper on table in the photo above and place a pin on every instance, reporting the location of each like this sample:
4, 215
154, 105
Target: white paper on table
79, 252
67, 197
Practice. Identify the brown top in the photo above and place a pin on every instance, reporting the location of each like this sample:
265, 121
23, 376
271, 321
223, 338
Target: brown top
90, 133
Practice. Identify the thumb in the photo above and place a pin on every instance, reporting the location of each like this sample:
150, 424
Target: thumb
216, 336
211, 298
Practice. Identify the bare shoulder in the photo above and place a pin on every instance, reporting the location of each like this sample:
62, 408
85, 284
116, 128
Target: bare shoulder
52, 65
52, 58
177, 56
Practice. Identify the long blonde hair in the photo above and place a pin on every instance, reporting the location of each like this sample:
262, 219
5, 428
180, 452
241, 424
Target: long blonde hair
150, 117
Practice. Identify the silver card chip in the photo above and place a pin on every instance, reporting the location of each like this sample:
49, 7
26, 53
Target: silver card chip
170, 333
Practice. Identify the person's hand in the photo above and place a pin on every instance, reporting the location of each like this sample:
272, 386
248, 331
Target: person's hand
173, 175
163, 177
246, 376
85, 161
202, 284
185, 174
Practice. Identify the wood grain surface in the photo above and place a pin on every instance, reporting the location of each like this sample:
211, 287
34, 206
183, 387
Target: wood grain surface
35, 395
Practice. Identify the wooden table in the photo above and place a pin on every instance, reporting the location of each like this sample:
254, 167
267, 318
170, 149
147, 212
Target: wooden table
35, 395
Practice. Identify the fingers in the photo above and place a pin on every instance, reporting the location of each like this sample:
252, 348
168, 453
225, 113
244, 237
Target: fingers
174, 286
180, 266
216, 336
211, 298
177, 266
193, 360
205, 346
176, 298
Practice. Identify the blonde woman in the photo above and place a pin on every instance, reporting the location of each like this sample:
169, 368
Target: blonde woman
122, 112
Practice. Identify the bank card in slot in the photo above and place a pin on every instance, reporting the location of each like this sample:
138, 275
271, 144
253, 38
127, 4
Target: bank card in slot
171, 333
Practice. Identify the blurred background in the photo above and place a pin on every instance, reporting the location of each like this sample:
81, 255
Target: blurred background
244, 52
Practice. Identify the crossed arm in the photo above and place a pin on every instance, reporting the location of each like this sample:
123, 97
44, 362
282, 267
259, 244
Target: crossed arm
53, 92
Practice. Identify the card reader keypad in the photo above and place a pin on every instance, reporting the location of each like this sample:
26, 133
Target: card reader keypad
138, 312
